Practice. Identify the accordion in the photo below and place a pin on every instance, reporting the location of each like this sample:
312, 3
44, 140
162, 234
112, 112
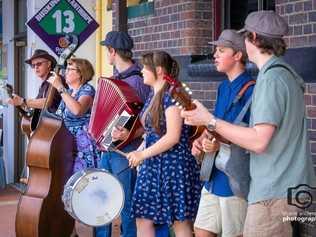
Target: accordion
115, 104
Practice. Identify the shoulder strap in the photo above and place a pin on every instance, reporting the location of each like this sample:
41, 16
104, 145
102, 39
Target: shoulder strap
243, 90
240, 94
280, 65
243, 111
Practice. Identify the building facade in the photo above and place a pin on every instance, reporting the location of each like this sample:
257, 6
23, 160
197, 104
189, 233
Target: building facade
181, 27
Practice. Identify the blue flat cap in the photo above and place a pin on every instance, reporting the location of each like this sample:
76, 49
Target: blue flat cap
118, 40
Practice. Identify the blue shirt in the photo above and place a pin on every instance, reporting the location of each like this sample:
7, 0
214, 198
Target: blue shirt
224, 109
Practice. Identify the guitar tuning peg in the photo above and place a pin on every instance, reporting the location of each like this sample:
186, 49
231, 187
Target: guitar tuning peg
173, 100
187, 89
180, 107
183, 84
190, 92
177, 104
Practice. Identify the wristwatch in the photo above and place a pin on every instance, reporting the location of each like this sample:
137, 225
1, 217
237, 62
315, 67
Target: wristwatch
62, 90
211, 126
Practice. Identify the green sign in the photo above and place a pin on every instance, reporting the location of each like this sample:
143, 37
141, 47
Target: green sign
60, 17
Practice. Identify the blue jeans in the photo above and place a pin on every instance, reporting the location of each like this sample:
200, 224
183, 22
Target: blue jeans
115, 164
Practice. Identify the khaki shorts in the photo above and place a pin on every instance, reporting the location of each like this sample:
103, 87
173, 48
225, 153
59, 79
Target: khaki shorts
266, 219
225, 215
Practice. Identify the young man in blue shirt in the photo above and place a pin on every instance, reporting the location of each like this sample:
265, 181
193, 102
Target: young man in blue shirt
220, 212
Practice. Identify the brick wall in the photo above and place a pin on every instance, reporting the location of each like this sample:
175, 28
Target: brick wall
181, 27
301, 16
184, 27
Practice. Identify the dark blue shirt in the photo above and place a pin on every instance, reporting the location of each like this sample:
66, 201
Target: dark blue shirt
133, 77
226, 110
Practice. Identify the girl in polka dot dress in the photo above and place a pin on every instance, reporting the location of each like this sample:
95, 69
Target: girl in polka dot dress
167, 186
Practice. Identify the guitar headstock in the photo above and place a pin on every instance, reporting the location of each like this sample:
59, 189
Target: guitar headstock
181, 93
9, 89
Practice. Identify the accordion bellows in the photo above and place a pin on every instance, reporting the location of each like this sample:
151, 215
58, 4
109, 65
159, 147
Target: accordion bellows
115, 103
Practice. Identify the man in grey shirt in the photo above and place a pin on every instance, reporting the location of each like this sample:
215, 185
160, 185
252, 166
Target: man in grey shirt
277, 137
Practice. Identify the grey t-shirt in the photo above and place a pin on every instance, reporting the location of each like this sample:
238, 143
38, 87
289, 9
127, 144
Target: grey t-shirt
278, 99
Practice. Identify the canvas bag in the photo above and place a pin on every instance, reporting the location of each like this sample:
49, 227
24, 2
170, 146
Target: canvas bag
234, 161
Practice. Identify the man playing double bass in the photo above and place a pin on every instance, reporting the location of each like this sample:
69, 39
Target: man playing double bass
42, 63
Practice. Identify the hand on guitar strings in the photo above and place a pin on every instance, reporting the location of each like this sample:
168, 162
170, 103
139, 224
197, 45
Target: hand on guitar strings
210, 144
197, 117
205, 143
135, 158
197, 147
16, 100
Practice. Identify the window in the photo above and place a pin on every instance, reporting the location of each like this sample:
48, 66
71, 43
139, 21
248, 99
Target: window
137, 8
233, 13
21, 16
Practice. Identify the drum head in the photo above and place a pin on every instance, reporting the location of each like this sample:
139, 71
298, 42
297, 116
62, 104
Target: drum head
97, 198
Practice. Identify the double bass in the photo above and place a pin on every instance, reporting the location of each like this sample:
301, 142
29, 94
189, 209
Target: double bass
50, 158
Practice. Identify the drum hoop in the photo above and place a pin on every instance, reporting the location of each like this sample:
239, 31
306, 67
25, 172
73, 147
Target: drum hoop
90, 170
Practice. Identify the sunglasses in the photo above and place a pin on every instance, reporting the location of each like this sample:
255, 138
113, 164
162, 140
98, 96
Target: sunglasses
38, 64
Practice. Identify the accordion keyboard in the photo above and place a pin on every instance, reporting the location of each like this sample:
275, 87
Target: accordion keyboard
119, 120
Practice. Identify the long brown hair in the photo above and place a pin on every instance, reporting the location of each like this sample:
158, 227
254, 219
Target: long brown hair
171, 67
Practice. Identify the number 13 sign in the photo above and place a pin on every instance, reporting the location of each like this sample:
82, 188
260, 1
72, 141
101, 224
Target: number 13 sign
60, 17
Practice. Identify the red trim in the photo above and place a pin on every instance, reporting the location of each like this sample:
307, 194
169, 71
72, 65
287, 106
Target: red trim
217, 18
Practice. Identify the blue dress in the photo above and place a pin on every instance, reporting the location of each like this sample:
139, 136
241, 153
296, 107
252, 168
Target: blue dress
167, 186
87, 154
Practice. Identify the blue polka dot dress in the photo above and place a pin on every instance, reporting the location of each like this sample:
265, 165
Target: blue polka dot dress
167, 185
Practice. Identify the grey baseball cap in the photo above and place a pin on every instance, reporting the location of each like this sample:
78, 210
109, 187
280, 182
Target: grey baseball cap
232, 39
266, 23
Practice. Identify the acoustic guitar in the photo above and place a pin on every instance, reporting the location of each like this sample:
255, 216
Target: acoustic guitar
182, 95
30, 116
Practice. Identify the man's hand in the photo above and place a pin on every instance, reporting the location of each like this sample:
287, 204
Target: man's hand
196, 148
210, 145
55, 80
197, 117
16, 100
119, 133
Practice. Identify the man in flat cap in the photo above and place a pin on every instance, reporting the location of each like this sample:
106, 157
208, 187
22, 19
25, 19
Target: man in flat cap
119, 47
277, 136
42, 63
218, 200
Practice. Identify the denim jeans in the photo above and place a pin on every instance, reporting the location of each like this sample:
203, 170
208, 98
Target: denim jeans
115, 164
